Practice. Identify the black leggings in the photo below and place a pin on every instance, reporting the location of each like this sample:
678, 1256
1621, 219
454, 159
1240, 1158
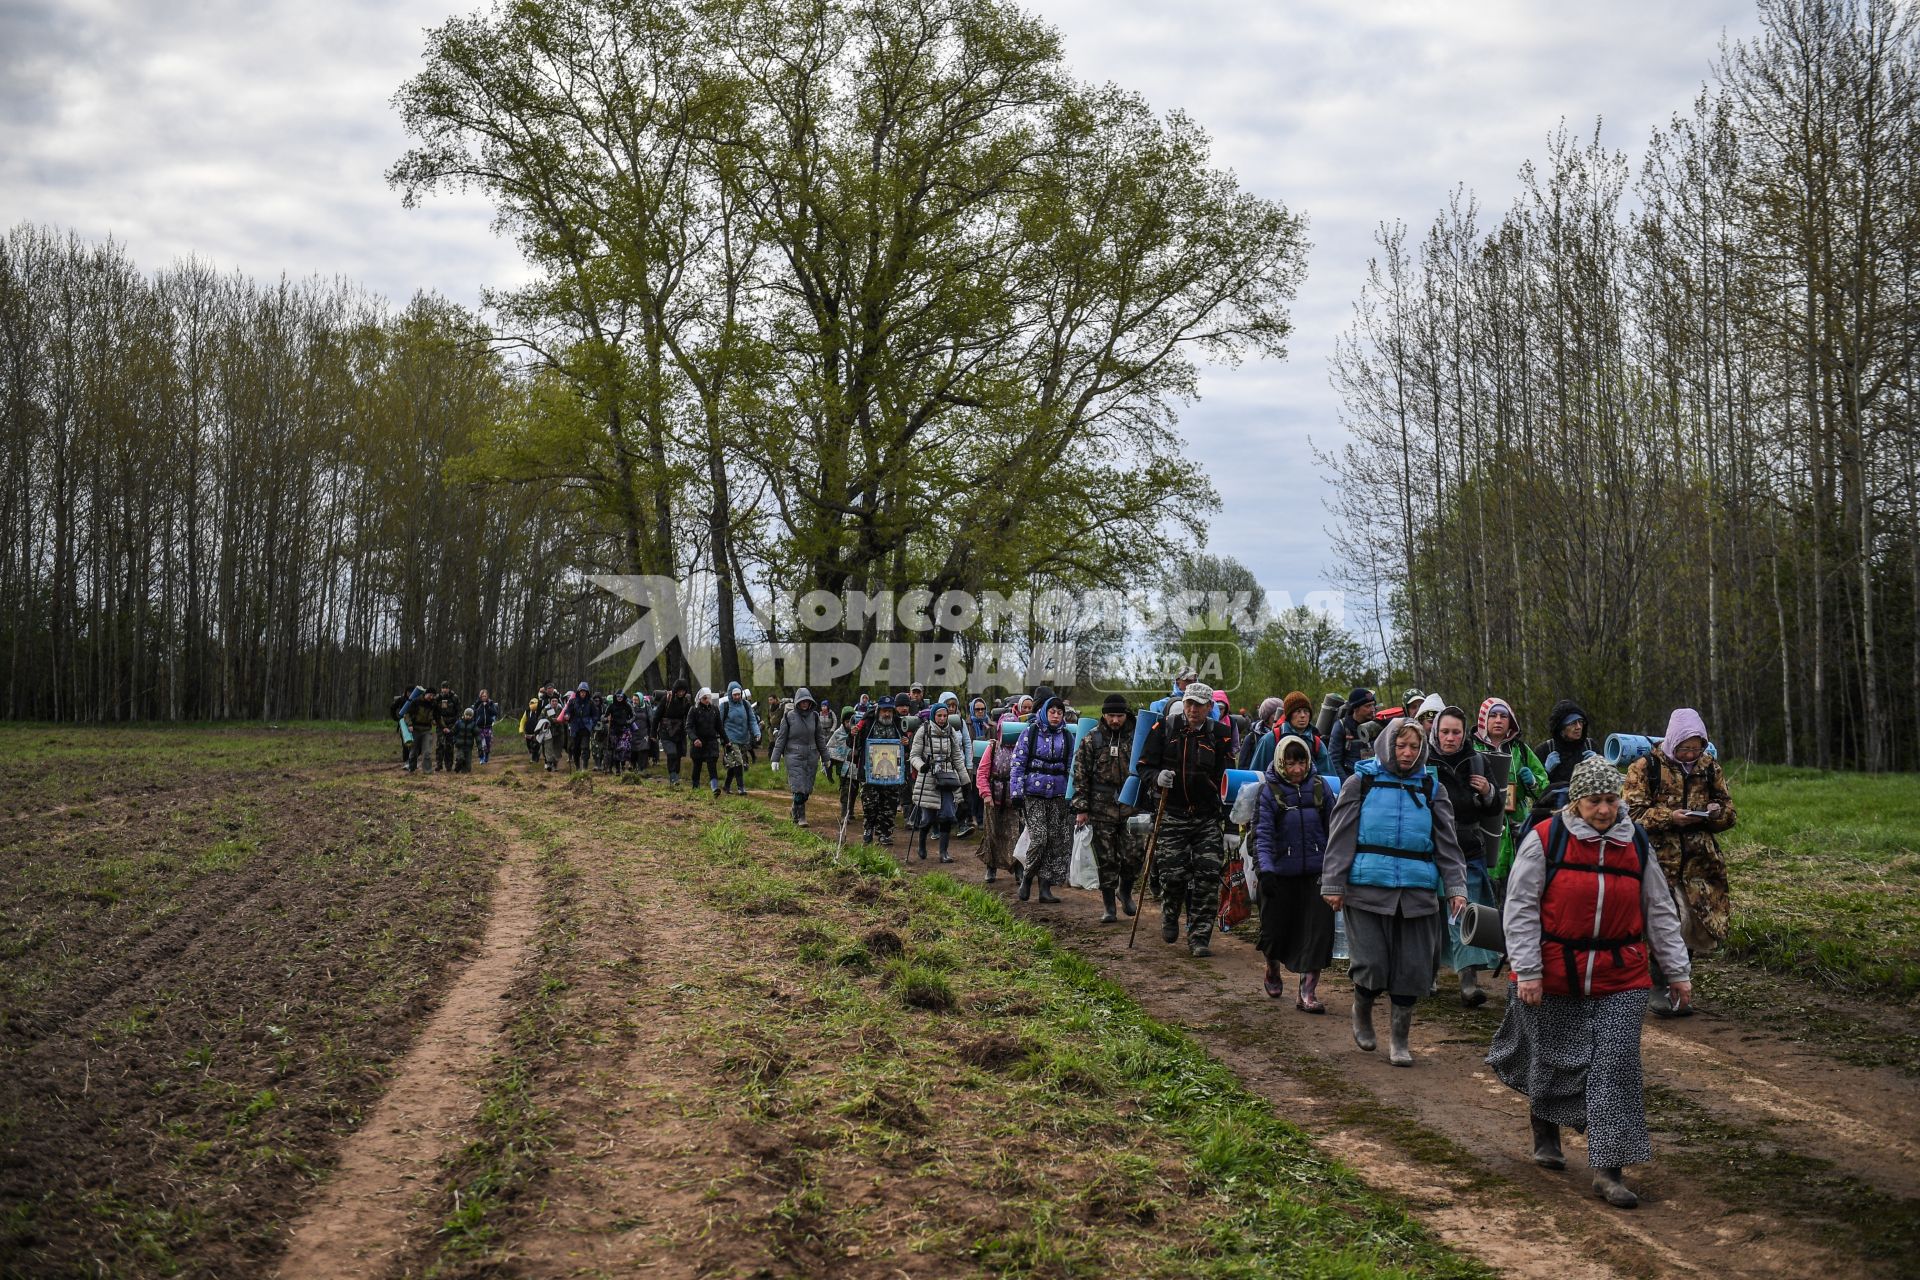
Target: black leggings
739, 776
713, 771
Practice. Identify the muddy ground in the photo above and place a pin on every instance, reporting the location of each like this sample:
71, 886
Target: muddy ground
340, 1022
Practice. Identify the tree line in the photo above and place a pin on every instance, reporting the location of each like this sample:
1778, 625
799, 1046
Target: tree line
1647, 437
825, 294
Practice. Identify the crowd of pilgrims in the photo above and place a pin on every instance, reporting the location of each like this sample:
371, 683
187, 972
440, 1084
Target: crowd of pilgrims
1381, 825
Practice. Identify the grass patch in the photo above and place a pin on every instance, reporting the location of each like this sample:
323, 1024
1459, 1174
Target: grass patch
1825, 873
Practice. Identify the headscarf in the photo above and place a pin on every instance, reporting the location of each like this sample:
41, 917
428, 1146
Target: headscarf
1684, 723
1488, 708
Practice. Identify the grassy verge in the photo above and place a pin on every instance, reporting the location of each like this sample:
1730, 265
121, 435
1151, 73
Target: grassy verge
1825, 869
1045, 1124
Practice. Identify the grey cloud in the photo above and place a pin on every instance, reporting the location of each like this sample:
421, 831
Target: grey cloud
257, 135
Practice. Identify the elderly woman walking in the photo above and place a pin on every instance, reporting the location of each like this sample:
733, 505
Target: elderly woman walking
1679, 796
1391, 855
1586, 903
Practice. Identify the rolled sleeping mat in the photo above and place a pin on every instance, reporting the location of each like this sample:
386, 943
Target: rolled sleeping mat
1077, 731
1142, 725
1330, 708
979, 750
1480, 927
1011, 729
1232, 780
1499, 771
1622, 749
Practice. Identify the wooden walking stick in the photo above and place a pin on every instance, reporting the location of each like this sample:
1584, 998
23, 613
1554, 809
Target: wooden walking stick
1146, 871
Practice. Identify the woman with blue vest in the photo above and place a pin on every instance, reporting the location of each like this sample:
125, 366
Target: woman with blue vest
1587, 906
1038, 784
1391, 856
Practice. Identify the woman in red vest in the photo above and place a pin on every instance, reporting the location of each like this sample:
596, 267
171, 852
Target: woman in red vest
1585, 903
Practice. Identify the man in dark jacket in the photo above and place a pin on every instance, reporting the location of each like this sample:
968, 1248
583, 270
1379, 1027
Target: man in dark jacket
1348, 747
420, 719
1101, 766
1186, 756
446, 713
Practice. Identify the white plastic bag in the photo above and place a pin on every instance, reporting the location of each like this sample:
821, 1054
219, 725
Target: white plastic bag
1083, 872
1022, 848
1251, 872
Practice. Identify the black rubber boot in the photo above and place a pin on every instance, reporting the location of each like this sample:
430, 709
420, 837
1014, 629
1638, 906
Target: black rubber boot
1108, 916
1170, 924
1470, 993
1363, 1021
1546, 1144
1126, 897
1046, 891
1026, 885
1400, 1022
1607, 1185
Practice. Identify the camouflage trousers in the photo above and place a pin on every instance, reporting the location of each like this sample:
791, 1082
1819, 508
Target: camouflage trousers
1115, 851
877, 807
1186, 871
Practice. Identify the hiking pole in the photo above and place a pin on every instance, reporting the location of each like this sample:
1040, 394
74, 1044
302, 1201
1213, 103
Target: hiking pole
1146, 871
846, 816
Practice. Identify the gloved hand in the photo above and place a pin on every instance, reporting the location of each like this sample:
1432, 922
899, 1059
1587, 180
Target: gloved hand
1527, 777
1165, 779
774, 765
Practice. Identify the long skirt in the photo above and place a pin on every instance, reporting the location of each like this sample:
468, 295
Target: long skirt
1578, 1061
1395, 953
998, 834
1459, 956
1050, 831
1296, 924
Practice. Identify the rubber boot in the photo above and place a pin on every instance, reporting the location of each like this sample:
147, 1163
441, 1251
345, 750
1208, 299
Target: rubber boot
1546, 1144
923, 843
1607, 1185
1046, 892
944, 855
1170, 924
1276, 986
993, 873
1400, 1020
1126, 896
1108, 916
1363, 1021
1026, 884
1470, 993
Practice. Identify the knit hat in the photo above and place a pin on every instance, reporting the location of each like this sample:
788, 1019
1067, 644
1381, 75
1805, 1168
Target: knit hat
1296, 701
1116, 703
1197, 692
1360, 696
1594, 777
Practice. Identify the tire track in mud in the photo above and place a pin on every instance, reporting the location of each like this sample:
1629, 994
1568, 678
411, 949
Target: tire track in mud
364, 1215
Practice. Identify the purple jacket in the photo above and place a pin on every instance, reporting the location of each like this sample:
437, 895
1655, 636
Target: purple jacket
1040, 757
1294, 842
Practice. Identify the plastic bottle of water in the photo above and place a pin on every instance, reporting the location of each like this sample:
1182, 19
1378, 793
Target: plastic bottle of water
1339, 935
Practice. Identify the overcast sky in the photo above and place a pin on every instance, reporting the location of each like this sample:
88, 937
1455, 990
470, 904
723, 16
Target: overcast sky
256, 135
